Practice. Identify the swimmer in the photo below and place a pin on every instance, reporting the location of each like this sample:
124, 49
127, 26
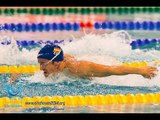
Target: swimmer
52, 61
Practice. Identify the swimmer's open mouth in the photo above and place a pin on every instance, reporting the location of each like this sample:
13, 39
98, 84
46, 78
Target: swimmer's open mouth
45, 72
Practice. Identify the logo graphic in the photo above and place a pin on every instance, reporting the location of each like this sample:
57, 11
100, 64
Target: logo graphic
56, 50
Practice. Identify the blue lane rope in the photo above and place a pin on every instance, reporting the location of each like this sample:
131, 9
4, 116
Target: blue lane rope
135, 44
40, 27
23, 43
146, 44
118, 25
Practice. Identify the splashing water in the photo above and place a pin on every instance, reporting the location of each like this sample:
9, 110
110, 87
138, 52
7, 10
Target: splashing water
108, 49
11, 55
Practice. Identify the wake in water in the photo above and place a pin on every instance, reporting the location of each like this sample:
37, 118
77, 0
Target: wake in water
108, 49
39, 77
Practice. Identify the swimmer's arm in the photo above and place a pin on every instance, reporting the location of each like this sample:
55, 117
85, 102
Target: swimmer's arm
97, 70
115, 70
13, 78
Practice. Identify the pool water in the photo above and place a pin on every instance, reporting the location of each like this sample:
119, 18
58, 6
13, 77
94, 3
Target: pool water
104, 47
37, 85
72, 87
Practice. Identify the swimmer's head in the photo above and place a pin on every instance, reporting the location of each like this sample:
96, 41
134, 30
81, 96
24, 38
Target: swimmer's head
51, 51
50, 58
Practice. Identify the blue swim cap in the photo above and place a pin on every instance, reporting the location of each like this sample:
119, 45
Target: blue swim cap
49, 51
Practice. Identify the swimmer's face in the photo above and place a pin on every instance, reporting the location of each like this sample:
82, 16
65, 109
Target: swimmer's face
47, 68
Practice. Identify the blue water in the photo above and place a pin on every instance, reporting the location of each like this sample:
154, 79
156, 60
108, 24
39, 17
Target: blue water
78, 87
73, 86
69, 87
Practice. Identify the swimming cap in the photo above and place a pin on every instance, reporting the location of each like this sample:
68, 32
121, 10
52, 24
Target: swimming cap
49, 51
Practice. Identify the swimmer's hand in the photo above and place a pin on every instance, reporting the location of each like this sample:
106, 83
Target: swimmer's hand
148, 71
13, 78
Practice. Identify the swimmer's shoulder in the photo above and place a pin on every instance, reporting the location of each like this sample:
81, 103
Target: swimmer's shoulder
68, 56
70, 61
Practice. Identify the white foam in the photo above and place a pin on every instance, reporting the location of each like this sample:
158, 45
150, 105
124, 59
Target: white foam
11, 55
39, 77
103, 49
